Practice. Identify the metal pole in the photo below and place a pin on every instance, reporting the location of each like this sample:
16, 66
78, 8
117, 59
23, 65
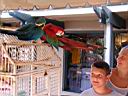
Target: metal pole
108, 44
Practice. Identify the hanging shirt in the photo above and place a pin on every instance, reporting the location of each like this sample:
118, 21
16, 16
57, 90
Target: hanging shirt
75, 56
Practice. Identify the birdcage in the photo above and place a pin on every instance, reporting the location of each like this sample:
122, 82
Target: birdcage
42, 83
28, 69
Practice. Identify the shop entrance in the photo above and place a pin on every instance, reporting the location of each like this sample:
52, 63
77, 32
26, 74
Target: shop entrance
78, 62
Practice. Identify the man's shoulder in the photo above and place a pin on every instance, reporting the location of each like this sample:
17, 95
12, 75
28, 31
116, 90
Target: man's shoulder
87, 92
116, 93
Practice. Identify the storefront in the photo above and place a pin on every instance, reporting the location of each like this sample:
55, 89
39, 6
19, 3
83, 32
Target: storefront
81, 23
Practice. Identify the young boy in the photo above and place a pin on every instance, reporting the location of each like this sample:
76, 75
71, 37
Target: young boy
100, 72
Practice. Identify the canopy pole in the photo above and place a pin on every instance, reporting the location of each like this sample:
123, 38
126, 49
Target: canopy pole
108, 44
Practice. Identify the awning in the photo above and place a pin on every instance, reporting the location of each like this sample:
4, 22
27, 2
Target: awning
45, 4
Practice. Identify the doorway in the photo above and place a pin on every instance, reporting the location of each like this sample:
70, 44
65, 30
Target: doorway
77, 63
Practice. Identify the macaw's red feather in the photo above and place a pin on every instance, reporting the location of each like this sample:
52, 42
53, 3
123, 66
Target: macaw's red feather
74, 44
51, 37
95, 46
65, 47
71, 42
43, 38
51, 30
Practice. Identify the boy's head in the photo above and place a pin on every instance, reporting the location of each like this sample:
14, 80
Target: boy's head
100, 72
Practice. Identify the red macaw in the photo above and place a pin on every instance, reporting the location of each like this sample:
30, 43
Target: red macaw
54, 35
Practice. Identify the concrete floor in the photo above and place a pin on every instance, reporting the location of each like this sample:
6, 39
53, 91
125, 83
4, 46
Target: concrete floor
65, 93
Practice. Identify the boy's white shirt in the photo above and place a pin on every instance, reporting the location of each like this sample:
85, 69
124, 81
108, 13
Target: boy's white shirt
91, 92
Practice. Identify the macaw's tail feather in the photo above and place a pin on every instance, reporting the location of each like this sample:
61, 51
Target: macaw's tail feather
20, 35
74, 44
8, 32
14, 33
95, 46
71, 42
66, 47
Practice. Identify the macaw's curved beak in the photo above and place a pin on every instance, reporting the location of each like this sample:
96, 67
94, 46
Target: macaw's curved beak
60, 33
40, 24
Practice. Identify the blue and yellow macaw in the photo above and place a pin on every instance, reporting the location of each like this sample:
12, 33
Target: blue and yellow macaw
31, 28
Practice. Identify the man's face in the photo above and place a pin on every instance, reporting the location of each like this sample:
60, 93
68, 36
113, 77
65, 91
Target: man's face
98, 77
122, 59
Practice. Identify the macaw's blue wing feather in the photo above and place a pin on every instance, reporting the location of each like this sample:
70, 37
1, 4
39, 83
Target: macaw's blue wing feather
24, 18
26, 32
8, 32
30, 32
